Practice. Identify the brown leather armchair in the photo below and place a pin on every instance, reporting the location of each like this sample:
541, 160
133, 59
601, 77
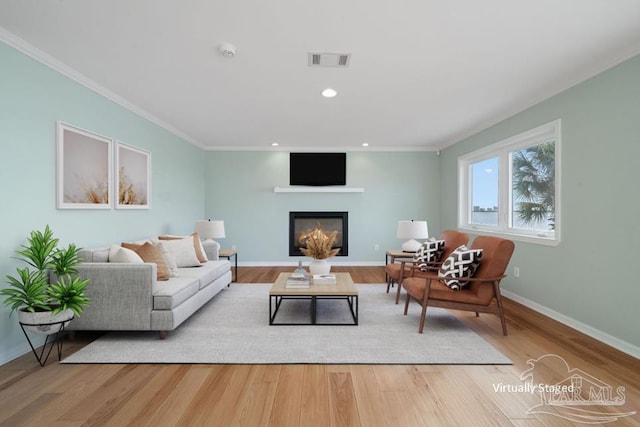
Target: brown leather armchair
481, 294
452, 239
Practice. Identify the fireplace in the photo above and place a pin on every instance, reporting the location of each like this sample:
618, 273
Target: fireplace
304, 222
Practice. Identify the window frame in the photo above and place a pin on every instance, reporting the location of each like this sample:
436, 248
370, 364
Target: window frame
502, 150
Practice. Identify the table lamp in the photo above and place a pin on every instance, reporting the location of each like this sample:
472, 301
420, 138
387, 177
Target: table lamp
208, 230
412, 230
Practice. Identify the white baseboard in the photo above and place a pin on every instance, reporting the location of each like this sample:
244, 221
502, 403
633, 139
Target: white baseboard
306, 264
594, 333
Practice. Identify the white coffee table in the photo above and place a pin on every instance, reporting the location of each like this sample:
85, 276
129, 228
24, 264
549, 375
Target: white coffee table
343, 289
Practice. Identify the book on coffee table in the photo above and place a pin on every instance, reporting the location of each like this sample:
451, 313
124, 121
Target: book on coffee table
297, 281
324, 279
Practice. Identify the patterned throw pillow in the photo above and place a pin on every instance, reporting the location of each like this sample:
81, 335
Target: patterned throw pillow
461, 264
430, 251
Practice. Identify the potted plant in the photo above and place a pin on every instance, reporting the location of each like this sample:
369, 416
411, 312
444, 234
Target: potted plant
319, 246
43, 306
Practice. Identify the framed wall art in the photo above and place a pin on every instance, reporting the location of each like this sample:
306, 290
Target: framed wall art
84, 169
133, 177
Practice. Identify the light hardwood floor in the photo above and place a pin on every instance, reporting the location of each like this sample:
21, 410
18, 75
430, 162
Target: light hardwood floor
325, 395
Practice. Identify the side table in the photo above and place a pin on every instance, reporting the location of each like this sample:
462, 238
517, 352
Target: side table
392, 254
228, 254
397, 253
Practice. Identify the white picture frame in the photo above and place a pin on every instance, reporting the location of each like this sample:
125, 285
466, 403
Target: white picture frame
132, 177
84, 168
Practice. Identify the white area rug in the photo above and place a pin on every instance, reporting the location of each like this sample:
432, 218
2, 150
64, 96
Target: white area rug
234, 328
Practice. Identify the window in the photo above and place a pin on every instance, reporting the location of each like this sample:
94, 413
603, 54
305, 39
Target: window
512, 187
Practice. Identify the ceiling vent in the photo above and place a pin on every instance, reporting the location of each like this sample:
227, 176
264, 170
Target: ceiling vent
340, 60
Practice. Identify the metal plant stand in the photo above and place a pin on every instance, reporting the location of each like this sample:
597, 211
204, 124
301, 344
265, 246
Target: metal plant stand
55, 341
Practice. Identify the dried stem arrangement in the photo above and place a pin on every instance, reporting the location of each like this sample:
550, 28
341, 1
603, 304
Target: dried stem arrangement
319, 244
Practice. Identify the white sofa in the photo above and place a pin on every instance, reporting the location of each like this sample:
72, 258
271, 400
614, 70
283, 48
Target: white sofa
128, 296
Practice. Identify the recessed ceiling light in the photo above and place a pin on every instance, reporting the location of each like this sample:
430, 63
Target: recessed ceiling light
274, 144
365, 144
227, 50
329, 93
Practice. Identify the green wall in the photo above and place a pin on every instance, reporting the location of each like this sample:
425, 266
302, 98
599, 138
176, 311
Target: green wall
397, 185
32, 98
590, 279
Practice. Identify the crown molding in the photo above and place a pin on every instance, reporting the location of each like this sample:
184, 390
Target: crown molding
322, 149
21, 45
564, 83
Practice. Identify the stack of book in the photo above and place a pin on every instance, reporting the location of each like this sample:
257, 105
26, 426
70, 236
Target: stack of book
298, 281
324, 279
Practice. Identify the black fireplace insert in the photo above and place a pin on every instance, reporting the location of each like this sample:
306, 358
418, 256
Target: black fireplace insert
301, 223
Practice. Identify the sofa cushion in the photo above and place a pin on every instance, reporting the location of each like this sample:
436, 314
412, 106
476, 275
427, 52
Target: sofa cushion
207, 272
462, 263
95, 254
150, 253
430, 251
197, 245
174, 292
120, 254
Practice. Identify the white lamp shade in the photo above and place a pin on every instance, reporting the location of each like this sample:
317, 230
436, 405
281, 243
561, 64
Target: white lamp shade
412, 230
209, 230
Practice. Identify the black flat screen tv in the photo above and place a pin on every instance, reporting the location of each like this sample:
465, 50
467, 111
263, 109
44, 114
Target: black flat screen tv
317, 169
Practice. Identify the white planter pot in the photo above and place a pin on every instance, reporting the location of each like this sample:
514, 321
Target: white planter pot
320, 266
44, 322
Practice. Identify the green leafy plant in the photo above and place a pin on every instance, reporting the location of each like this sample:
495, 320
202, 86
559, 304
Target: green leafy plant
68, 292
30, 289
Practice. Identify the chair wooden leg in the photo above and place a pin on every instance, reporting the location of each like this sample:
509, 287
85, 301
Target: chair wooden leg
423, 316
406, 304
477, 314
388, 284
496, 287
398, 292
504, 323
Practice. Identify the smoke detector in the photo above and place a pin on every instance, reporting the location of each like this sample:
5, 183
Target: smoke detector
227, 50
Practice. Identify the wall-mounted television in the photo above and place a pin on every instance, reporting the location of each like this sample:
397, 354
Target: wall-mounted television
317, 169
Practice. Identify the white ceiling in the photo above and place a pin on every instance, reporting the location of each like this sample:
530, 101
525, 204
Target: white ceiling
423, 74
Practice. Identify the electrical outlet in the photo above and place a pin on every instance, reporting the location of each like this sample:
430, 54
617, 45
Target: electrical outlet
516, 271
376, 247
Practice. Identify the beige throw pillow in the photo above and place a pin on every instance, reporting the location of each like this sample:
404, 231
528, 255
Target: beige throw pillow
150, 253
183, 251
169, 260
120, 254
197, 245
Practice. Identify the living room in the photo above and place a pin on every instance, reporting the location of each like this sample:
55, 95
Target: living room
586, 281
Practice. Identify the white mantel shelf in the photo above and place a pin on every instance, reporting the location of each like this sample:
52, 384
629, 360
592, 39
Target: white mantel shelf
328, 189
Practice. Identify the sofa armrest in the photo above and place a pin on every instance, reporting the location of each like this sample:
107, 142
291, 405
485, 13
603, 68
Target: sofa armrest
212, 249
120, 294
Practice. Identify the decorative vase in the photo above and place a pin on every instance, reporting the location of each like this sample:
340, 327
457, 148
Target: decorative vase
320, 266
44, 322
